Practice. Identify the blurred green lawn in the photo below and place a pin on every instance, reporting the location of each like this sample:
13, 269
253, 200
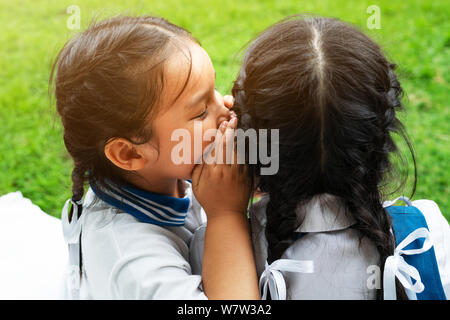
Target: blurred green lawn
416, 34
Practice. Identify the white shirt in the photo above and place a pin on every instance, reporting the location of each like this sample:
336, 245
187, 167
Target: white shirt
342, 264
123, 258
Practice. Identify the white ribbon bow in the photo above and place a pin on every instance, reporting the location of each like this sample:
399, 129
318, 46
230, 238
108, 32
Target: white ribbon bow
396, 266
273, 278
72, 231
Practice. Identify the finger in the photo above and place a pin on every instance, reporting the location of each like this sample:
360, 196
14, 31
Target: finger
216, 145
228, 146
195, 175
233, 121
228, 101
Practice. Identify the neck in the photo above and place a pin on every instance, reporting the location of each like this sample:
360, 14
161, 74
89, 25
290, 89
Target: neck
162, 185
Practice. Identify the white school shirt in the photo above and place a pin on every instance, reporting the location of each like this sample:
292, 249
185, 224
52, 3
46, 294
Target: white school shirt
343, 265
123, 258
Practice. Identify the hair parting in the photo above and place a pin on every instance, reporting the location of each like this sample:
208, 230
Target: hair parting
334, 97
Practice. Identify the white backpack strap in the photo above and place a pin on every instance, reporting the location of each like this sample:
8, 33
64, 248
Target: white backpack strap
72, 233
392, 202
273, 279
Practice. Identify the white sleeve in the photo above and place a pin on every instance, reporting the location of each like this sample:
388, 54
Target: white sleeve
440, 234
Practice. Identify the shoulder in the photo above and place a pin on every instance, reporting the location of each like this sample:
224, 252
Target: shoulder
111, 232
257, 214
125, 258
105, 223
437, 223
430, 209
152, 263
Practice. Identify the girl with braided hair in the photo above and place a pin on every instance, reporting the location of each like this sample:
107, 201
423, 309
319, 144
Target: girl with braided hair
323, 228
122, 87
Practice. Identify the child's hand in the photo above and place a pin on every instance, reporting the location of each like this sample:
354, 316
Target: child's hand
228, 267
222, 189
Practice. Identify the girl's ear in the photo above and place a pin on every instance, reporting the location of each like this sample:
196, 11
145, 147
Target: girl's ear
129, 156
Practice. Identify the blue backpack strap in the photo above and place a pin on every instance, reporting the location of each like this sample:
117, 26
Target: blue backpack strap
406, 220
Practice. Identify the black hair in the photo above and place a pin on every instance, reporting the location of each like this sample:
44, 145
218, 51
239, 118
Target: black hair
334, 97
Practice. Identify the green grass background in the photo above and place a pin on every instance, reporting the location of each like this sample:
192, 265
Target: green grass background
415, 34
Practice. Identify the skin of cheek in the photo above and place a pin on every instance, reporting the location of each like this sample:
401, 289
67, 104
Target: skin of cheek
183, 170
175, 117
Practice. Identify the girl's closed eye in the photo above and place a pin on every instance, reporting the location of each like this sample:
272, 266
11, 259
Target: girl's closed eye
203, 115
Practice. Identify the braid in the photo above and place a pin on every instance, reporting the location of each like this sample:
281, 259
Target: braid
281, 223
335, 118
373, 222
280, 212
78, 179
361, 192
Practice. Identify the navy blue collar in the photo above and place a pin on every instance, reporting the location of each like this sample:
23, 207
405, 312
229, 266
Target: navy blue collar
145, 206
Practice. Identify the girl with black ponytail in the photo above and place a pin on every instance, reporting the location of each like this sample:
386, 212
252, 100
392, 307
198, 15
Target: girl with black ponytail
334, 98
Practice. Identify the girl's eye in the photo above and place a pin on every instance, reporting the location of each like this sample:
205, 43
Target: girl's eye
203, 114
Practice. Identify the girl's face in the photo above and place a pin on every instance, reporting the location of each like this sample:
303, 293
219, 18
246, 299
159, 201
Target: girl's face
199, 104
